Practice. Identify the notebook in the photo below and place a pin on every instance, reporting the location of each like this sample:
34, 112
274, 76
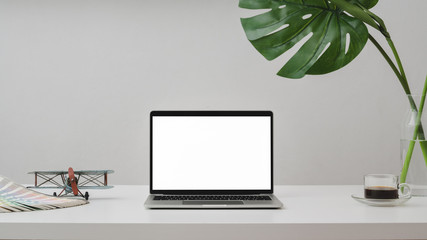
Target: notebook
211, 159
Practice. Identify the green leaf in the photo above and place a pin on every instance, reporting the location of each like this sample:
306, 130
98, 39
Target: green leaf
355, 9
276, 31
368, 4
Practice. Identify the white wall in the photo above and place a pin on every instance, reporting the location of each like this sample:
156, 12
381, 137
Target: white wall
78, 79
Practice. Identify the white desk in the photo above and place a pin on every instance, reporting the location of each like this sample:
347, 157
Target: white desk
311, 212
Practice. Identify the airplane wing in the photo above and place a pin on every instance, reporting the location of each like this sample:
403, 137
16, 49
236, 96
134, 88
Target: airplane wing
95, 187
80, 187
93, 172
88, 172
48, 187
49, 172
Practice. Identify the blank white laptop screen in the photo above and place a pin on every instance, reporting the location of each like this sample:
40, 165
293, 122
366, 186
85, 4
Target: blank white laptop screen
211, 153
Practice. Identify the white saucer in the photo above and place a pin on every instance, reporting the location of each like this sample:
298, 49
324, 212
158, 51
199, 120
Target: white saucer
381, 202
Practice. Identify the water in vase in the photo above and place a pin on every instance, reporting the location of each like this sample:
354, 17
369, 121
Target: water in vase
417, 172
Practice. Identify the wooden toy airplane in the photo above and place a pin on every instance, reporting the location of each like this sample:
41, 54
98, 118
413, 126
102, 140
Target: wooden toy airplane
72, 181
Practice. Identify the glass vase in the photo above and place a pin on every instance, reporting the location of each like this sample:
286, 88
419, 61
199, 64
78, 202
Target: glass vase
413, 148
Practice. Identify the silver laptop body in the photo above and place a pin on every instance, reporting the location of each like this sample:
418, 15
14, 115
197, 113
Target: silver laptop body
211, 159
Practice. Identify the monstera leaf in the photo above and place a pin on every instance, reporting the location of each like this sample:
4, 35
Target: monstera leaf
336, 38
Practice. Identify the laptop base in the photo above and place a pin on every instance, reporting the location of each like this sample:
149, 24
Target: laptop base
212, 204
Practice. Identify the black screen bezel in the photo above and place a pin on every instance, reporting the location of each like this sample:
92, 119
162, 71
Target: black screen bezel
210, 113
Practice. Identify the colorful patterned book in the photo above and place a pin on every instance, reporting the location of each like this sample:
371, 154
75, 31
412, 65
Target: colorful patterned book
17, 198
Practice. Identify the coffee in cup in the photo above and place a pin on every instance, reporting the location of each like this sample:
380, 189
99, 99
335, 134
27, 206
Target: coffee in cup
385, 186
381, 192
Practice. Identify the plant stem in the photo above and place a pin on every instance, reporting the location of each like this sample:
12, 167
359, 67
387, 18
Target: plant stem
421, 135
396, 56
402, 79
405, 168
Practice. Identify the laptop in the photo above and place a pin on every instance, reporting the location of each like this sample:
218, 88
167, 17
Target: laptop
211, 159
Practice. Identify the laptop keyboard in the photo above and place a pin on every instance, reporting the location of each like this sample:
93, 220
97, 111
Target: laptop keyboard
213, 197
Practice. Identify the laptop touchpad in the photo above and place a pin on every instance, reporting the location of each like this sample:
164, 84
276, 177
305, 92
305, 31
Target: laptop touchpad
213, 202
